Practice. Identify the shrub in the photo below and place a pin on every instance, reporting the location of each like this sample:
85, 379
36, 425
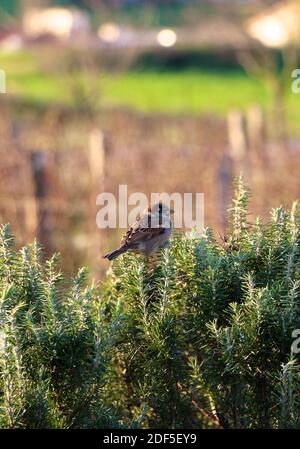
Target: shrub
200, 340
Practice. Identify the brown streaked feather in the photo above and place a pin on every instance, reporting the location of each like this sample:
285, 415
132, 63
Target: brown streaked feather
134, 235
141, 237
133, 230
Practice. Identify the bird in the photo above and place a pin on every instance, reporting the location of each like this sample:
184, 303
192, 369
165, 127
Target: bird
150, 232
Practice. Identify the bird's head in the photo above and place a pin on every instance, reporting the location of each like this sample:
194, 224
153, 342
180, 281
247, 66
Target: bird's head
161, 210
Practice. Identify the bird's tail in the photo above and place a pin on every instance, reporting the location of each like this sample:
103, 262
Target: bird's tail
114, 254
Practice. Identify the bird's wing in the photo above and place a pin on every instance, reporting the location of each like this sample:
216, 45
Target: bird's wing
140, 231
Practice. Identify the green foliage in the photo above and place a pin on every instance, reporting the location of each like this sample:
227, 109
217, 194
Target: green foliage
201, 339
54, 349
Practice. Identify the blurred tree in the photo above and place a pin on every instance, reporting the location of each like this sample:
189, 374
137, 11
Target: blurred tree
9, 6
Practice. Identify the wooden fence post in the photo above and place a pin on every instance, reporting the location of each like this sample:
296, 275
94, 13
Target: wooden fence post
97, 158
97, 150
39, 167
225, 175
237, 138
257, 153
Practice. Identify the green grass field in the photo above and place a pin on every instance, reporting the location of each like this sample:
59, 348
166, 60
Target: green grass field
188, 92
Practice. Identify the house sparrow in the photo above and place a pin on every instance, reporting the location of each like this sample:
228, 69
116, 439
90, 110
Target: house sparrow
150, 232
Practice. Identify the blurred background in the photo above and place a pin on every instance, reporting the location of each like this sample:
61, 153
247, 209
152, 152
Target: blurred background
161, 95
